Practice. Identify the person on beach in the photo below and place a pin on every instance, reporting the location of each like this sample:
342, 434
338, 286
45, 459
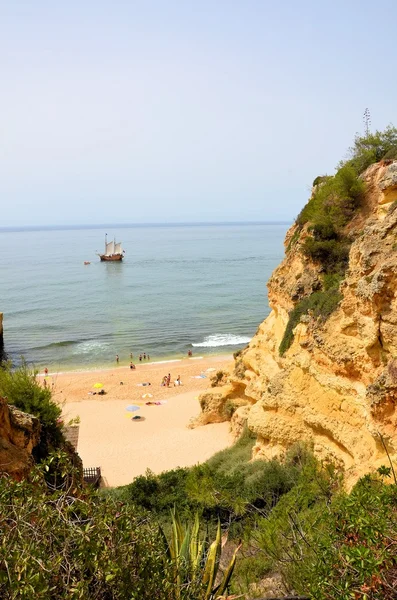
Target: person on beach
164, 381
177, 381
46, 371
117, 358
168, 379
189, 353
140, 358
144, 356
132, 366
131, 356
148, 357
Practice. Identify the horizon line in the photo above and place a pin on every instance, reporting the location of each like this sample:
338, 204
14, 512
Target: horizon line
20, 228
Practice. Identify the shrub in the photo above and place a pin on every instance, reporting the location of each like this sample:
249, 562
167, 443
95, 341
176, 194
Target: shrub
333, 255
320, 179
335, 201
61, 541
372, 148
228, 486
333, 545
218, 378
22, 389
158, 493
358, 539
321, 305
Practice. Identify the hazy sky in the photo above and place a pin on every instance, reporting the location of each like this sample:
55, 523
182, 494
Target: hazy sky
152, 111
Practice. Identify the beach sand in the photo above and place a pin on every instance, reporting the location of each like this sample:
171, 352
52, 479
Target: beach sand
125, 448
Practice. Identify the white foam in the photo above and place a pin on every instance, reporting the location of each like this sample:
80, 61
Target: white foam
163, 362
222, 339
90, 347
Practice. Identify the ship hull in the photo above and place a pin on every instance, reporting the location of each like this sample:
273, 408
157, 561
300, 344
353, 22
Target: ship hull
112, 257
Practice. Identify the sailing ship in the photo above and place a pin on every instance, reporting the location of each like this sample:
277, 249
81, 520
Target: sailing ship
113, 250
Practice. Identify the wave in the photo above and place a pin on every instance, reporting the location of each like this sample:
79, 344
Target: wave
222, 339
90, 347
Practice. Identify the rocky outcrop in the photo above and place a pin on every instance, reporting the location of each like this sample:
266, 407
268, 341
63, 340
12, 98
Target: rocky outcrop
19, 434
336, 386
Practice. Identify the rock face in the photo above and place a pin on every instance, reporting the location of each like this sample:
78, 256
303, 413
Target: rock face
336, 386
19, 433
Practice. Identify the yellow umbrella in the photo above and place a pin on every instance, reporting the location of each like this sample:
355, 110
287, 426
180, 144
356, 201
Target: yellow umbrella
98, 385
147, 396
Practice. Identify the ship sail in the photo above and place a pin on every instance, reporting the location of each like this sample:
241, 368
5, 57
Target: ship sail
109, 248
113, 251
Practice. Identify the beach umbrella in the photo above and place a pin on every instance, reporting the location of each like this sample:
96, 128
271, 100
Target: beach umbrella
147, 396
132, 407
98, 385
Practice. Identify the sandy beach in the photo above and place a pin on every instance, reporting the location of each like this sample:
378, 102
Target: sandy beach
124, 447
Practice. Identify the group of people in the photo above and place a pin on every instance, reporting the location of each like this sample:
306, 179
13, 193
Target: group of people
143, 356
166, 381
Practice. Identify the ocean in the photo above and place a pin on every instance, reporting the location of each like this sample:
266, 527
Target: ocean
180, 287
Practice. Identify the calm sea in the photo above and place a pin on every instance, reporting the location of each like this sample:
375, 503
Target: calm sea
197, 287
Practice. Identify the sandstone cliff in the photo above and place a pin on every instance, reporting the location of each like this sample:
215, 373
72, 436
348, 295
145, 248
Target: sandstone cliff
19, 434
336, 385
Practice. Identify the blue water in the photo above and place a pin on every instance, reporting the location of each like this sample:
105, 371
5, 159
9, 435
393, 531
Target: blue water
200, 287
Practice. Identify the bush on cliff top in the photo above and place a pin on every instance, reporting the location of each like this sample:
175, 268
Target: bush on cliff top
372, 148
333, 204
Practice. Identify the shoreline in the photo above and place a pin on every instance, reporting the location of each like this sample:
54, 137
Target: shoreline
154, 363
124, 364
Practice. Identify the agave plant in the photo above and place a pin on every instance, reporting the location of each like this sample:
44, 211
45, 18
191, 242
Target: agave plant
192, 562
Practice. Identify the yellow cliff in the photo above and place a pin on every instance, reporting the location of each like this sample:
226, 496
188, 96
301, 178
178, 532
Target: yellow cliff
335, 387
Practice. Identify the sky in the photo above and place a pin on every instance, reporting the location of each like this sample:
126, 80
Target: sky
184, 111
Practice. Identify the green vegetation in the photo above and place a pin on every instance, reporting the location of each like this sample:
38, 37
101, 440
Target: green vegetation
228, 487
369, 149
319, 305
329, 544
63, 541
22, 389
186, 553
335, 201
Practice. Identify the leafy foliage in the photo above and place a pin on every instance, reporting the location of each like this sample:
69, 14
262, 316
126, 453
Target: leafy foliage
62, 541
372, 148
187, 551
22, 389
333, 545
333, 203
320, 304
228, 486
